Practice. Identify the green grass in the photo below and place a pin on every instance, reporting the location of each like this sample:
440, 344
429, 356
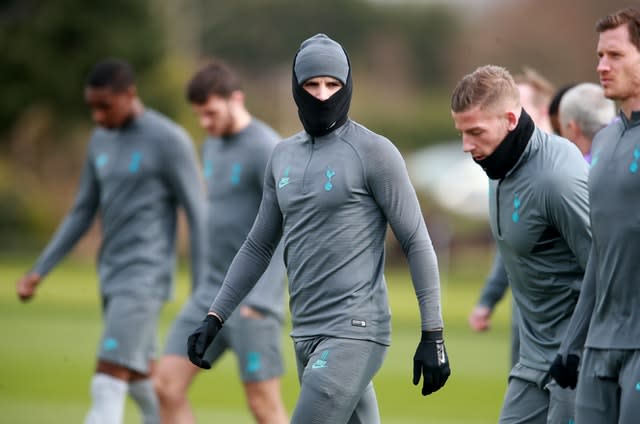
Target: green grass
47, 354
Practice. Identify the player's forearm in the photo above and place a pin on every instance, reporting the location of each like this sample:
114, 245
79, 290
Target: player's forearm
198, 239
426, 282
496, 284
248, 265
576, 334
67, 235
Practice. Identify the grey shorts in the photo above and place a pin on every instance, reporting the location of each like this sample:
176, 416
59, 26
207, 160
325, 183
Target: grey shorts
256, 342
533, 398
609, 387
129, 338
335, 377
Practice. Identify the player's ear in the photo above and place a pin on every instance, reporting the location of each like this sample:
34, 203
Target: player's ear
512, 119
132, 92
237, 96
572, 128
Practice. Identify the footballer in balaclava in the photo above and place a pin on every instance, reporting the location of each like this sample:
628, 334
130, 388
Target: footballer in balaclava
320, 56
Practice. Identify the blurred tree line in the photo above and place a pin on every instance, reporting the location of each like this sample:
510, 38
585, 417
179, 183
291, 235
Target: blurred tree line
49, 47
406, 58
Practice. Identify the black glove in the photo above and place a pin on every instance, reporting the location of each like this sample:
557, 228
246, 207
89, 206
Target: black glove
431, 361
200, 340
566, 374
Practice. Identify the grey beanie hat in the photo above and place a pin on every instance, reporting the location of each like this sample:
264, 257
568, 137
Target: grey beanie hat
320, 56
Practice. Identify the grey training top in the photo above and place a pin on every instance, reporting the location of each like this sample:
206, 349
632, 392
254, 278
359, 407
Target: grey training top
540, 219
136, 176
234, 168
609, 306
331, 198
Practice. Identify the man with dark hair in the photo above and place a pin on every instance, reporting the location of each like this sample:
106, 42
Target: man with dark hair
235, 155
330, 192
554, 107
140, 167
607, 319
538, 208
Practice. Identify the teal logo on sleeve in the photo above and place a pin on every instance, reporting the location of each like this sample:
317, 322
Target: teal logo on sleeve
515, 216
284, 181
102, 160
110, 344
322, 361
236, 170
637, 387
595, 158
134, 165
208, 168
253, 362
634, 164
330, 173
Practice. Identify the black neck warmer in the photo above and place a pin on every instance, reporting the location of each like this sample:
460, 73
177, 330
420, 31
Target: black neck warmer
504, 158
321, 117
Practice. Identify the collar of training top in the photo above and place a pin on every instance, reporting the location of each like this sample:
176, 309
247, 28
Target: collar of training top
506, 155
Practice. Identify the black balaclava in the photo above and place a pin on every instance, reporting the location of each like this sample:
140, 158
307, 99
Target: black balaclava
504, 158
320, 56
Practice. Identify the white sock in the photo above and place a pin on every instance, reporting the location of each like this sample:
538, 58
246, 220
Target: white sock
145, 397
108, 396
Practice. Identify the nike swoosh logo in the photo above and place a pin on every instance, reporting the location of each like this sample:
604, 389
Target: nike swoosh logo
283, 182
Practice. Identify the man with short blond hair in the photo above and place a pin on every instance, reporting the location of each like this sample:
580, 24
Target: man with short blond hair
538, 207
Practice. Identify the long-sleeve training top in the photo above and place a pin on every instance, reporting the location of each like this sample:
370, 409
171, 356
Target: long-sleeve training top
234, 168
539, 215
608, 312
136, 176
330, 198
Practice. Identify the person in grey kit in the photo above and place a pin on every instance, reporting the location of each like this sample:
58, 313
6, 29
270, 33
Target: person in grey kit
539, 219
235, 155
607, 319
535, 94
330, 192
140, 167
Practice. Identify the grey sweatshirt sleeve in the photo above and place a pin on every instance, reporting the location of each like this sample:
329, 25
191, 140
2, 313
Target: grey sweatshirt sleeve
496, 284
576, 334
76, 222
183, 173
568, 209
268, 291
253, 257
391, 187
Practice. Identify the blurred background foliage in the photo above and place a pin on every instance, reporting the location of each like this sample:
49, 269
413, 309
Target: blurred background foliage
406, 56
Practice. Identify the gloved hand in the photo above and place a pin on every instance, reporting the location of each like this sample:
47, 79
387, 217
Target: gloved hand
200, 340
431, 361
566, 374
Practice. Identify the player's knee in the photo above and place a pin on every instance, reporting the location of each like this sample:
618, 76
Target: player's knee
258, 407
168, 392
264, 406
